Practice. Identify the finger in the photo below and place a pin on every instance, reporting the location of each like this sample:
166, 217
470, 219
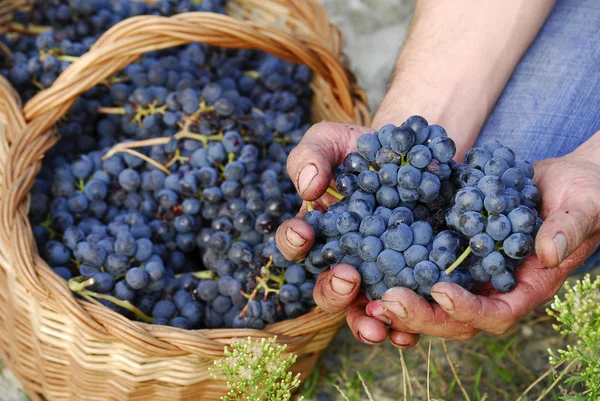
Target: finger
365, 328
565, 230
337, 288
324, 146
403, 340
294, 238
404, 310
498, 312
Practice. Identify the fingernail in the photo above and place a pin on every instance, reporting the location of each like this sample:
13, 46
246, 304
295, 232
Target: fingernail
399, 345
294, 238
365, 340
397, 309
341, 286
377, 311
383, 319
443, 300
306, 176
560, 242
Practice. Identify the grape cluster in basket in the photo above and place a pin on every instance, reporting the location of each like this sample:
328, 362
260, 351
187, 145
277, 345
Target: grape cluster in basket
66, 29
409, 216
163, 195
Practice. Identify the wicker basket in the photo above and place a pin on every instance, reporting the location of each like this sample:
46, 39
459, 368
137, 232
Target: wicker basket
62, 348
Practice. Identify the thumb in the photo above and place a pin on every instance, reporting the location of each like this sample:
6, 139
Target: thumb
325, 145
565, 230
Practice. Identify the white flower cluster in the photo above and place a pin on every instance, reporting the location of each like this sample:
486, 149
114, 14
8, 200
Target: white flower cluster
578, 316
255, 371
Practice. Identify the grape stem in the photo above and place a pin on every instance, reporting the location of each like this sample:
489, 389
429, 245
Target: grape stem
77, 285
70, 59
252, 74
203, 275
335, 193
263, 283
27, 29
309, 206
184, 133
458, 261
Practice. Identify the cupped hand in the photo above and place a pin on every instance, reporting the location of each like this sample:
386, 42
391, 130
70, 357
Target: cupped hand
311, 166
570, 188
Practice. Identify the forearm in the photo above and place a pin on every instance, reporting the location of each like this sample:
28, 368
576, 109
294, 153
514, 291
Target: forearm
456, 61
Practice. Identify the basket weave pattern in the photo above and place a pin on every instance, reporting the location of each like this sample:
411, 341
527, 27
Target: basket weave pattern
63, 348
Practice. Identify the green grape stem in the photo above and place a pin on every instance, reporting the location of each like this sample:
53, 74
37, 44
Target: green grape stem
77, 285
309, 206
203, 275
263, 283
458, 261
335, 193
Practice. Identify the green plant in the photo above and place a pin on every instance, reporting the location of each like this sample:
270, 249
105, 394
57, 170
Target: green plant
255, 371
578, 315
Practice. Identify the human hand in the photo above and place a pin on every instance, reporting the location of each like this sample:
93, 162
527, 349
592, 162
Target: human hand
570, 234
311, 166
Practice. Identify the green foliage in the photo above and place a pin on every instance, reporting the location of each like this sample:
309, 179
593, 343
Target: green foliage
255, 371
578, 315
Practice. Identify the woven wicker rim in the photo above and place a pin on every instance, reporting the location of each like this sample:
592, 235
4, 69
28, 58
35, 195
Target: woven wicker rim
30, 134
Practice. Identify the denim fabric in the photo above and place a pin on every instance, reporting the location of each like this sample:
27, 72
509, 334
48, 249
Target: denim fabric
551, 104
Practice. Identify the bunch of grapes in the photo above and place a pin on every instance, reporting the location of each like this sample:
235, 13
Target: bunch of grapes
44, 41
409, 216
163, 195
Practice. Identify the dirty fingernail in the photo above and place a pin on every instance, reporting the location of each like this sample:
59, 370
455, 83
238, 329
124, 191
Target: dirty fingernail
306, 176
443, 300
397, 309
365, 340
341, 286
560, 242
294, 238
395, 344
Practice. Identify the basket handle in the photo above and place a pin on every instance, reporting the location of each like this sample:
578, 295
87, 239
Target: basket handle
128, 40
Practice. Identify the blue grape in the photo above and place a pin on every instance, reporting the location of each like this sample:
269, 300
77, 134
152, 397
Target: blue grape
401, 140
422, 232
494, 263
477, 158
518, 245
442, 148
471, 223
390, 262
368, 145
409, 177
514, 178
504, 282
482, 244
368, 181
369, 248
399, 237
388, 175
426, 273
496, 167
419, 156
507, 154
137, 278
372, 226
522, 220
370, 273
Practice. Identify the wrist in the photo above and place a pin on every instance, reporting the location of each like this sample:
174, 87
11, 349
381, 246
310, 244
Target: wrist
456, 103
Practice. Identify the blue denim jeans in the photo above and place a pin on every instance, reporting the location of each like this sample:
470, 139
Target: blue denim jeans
551, 104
